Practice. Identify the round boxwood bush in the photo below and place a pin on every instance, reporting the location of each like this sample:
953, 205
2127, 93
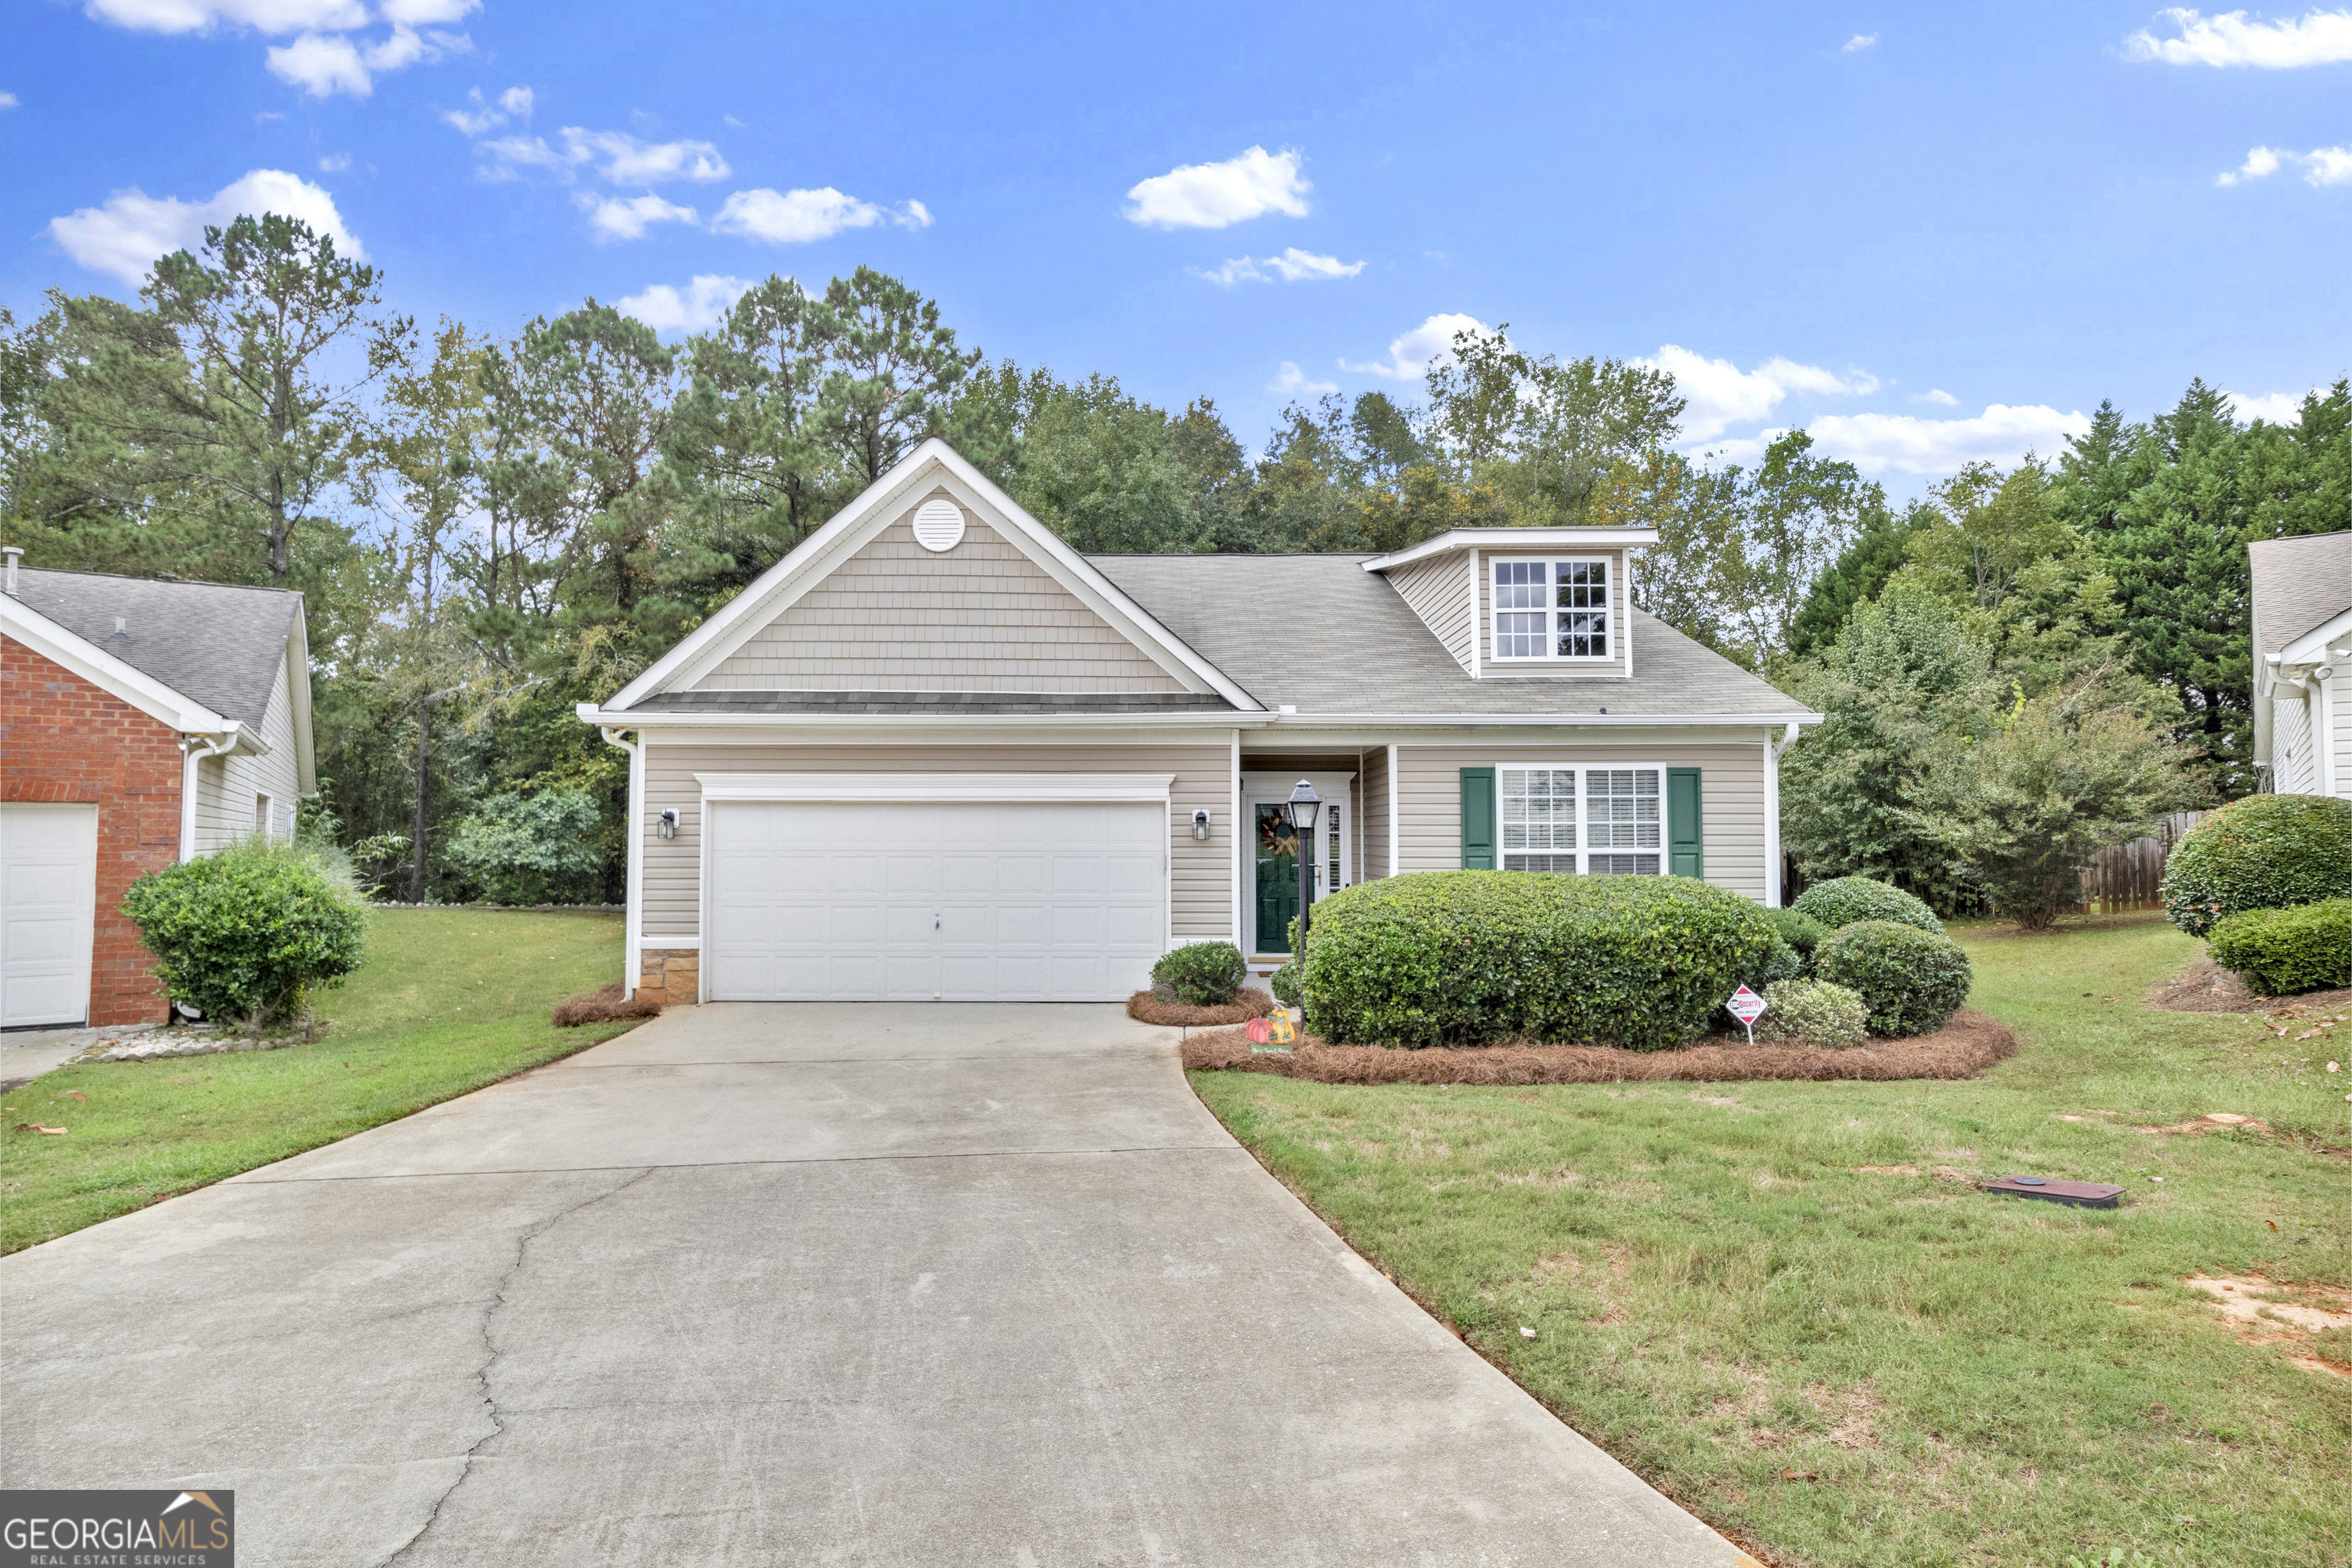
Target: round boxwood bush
245, 934
1470, 957
2308, 947
1799, 930
1200, 973
1815, 1013
2264, 852
1912, 981
1284, 984
1843, 900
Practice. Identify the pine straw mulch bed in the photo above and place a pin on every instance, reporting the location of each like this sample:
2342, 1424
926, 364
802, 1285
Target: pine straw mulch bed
604, 1007
1964, 1048
1150, 1007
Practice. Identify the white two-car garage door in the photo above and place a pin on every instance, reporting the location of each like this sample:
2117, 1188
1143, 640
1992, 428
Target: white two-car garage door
924, 901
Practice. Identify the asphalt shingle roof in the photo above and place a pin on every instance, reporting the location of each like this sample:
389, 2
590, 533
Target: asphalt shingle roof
216, 643
2297, 583
1322, 633
927, 703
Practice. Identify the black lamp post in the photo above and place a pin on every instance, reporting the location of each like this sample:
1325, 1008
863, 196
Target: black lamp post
1304, 806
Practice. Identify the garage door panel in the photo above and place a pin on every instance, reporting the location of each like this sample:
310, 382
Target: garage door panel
956, 900
48, 899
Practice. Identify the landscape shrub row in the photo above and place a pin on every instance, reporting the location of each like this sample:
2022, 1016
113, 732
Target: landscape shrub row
2306, 947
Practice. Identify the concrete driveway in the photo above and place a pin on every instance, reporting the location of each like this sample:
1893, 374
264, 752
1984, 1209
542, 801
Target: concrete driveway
823, 1283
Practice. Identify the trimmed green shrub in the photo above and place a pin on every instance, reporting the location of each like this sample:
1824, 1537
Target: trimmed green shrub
1843, 900
1799, 930
1471, 957
1284, 983
1912, 981
1815, 1012
1202, 974
2263, 852
531, 848
1780, 962
245, 934
2306, 947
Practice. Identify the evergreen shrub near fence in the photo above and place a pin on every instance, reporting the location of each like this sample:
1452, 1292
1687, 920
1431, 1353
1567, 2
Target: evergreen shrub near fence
1464, 958
2263, 852
1842, 900
2308, 947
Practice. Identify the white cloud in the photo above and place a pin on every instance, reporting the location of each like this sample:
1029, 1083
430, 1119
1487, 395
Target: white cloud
2320, 37
1429, 344
1858, 43
272, 16
1937, 395
323, 64
618, 217
620, 157
1908, 444
1720, 394
1293, 266
429, 13
8, 100
515, 103
2321, 165
799, 218
1292, 382
2276, 408
701, 305
334, 162
1214, 196
133, 228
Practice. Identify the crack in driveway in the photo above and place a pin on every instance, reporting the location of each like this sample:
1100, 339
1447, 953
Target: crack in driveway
491, 1354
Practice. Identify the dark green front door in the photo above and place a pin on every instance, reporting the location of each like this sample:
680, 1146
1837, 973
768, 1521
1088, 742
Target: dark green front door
1277, 878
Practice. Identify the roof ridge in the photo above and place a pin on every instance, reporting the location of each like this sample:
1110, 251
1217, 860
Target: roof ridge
168, 582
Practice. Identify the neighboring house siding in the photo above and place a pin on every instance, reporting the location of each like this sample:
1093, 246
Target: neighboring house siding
2341, 702
1439, 592
980, 617
226, 787
1201, 873
2293, 755
1373, 773
65, 740
1731, 788
1619, 621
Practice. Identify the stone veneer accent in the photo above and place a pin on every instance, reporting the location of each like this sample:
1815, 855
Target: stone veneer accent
671, 976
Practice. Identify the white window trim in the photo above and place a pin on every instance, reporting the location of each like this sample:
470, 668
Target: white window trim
265, 811
1583, 851
1612, 624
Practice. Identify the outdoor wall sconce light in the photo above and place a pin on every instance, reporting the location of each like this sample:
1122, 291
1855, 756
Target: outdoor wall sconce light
1201, 826
668, 828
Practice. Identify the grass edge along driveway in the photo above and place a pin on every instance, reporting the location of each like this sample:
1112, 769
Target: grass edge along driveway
1787, 1307
448, 1001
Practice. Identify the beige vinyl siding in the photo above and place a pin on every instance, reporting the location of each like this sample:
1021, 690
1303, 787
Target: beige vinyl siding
226, 787
1619, 621
1731, 799
1201, 874
1438, 589
898, 617
1372, 774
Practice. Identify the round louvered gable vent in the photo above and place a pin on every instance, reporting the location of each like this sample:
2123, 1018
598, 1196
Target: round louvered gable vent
938, 525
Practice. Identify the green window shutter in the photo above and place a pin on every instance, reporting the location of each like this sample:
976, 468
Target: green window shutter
1477, 819
1685, 836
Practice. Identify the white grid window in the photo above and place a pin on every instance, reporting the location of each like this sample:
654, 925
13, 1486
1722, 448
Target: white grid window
1331, 848
1622, 824
1552, 609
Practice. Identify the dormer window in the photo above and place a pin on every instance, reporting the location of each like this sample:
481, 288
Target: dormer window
1552, 609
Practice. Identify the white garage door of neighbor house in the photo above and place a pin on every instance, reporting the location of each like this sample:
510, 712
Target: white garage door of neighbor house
48, 895
1011, 901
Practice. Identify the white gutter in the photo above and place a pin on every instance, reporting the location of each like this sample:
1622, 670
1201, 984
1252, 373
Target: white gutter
1213, 719
633, 921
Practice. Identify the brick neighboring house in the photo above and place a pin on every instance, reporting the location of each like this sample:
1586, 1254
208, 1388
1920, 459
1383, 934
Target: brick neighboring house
140, 722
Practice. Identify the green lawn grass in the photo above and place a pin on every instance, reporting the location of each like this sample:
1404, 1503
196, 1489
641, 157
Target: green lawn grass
448, 1000
1722, 1298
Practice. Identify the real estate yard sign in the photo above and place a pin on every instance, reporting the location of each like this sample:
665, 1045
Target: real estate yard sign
1747, 1006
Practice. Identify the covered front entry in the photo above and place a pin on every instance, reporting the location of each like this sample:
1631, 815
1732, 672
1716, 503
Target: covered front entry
1001, 901
1271, 888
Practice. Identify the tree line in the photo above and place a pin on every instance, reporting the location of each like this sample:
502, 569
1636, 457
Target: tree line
490, 529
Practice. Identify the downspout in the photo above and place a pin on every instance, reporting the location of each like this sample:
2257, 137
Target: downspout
2323, 761
1772, 749
194, 749
631, 921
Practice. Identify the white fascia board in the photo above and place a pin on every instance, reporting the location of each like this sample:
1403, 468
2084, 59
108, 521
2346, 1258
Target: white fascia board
2311, 648
298, 679
916, 726
1530, 539
112, 675
932, 463
1551, 721
955, 787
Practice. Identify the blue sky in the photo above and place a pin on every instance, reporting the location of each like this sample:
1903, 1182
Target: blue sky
1926, 234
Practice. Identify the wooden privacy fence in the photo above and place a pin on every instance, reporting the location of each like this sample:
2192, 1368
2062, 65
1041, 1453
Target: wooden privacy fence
2130, 875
